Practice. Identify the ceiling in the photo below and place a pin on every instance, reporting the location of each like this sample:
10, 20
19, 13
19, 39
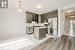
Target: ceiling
47, 5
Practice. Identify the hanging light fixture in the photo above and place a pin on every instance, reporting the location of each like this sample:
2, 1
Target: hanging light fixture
19, 9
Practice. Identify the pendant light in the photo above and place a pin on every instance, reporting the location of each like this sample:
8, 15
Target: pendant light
19, 8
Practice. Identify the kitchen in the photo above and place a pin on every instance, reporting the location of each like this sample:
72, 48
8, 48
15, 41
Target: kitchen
42, 25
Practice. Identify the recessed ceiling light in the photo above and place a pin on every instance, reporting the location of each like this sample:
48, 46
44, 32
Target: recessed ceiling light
39, 6
69, 11
72, 16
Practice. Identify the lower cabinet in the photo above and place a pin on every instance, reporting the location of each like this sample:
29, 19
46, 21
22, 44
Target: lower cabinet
29, 30
40, 32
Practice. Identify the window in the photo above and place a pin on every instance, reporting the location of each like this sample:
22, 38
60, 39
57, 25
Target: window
3, 3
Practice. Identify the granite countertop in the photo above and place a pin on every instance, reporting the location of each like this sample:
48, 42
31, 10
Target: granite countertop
35, 25
41, 27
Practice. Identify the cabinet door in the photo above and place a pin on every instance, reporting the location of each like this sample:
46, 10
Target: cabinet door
44, 18
31, 17
42, 33
29, 30
35, 18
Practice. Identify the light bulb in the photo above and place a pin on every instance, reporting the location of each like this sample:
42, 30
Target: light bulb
39, 6
19, 10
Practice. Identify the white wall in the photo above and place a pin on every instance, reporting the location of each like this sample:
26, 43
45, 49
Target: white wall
12, 23
61, 19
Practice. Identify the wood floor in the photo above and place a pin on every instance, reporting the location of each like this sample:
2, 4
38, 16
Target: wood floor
62, 43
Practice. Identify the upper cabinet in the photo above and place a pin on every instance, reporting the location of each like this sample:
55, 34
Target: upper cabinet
46, 16
31, 17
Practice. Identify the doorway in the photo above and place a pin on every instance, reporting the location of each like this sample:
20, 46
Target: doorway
70, 23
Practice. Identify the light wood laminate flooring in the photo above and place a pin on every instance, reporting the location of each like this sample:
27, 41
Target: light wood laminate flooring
62, 43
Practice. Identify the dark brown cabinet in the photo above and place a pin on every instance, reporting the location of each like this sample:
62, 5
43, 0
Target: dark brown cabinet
31, 17
46, 16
